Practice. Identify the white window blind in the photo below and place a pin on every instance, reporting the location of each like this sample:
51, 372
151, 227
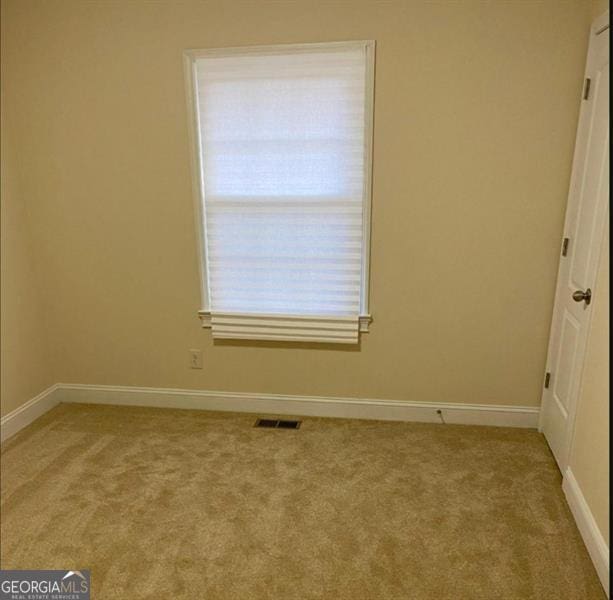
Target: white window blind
285, 174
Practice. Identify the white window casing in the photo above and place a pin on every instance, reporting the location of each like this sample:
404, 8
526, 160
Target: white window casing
281, 162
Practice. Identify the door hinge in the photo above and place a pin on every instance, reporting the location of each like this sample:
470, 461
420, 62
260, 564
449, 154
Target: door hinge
547, 379
586, 89
565, 246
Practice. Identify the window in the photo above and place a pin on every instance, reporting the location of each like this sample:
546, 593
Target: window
282, 160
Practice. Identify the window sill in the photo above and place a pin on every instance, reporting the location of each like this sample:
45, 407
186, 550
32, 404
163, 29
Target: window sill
285, 327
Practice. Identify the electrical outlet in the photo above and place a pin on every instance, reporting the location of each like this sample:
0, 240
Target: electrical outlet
195, 359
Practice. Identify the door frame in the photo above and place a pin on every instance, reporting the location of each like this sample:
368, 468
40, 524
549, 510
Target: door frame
598, 26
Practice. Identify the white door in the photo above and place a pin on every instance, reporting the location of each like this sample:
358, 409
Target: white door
586, 215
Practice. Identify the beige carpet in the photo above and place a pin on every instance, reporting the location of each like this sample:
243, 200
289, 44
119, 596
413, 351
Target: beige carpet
198, 505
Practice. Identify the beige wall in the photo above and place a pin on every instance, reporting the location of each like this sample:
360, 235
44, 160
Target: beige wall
24, 365
476, 112
599, 7
589, 460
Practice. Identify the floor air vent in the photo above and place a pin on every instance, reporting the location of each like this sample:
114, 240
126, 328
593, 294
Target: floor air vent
277, 424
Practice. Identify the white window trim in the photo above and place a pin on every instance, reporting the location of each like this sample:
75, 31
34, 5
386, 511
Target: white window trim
189, 62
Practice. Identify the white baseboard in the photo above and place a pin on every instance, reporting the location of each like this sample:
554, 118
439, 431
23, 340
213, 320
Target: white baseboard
315, 406
28, 412
596, 546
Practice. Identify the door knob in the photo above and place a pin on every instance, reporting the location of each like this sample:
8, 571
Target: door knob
581, 296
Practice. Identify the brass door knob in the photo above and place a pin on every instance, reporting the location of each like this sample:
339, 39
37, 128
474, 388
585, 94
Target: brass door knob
581, 296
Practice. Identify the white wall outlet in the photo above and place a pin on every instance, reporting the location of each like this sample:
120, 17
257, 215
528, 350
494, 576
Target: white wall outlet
195, 359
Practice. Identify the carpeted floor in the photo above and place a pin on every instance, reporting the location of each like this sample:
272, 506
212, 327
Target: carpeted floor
199, 505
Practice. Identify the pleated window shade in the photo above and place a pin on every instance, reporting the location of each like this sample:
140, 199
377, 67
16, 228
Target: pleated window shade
284, 158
